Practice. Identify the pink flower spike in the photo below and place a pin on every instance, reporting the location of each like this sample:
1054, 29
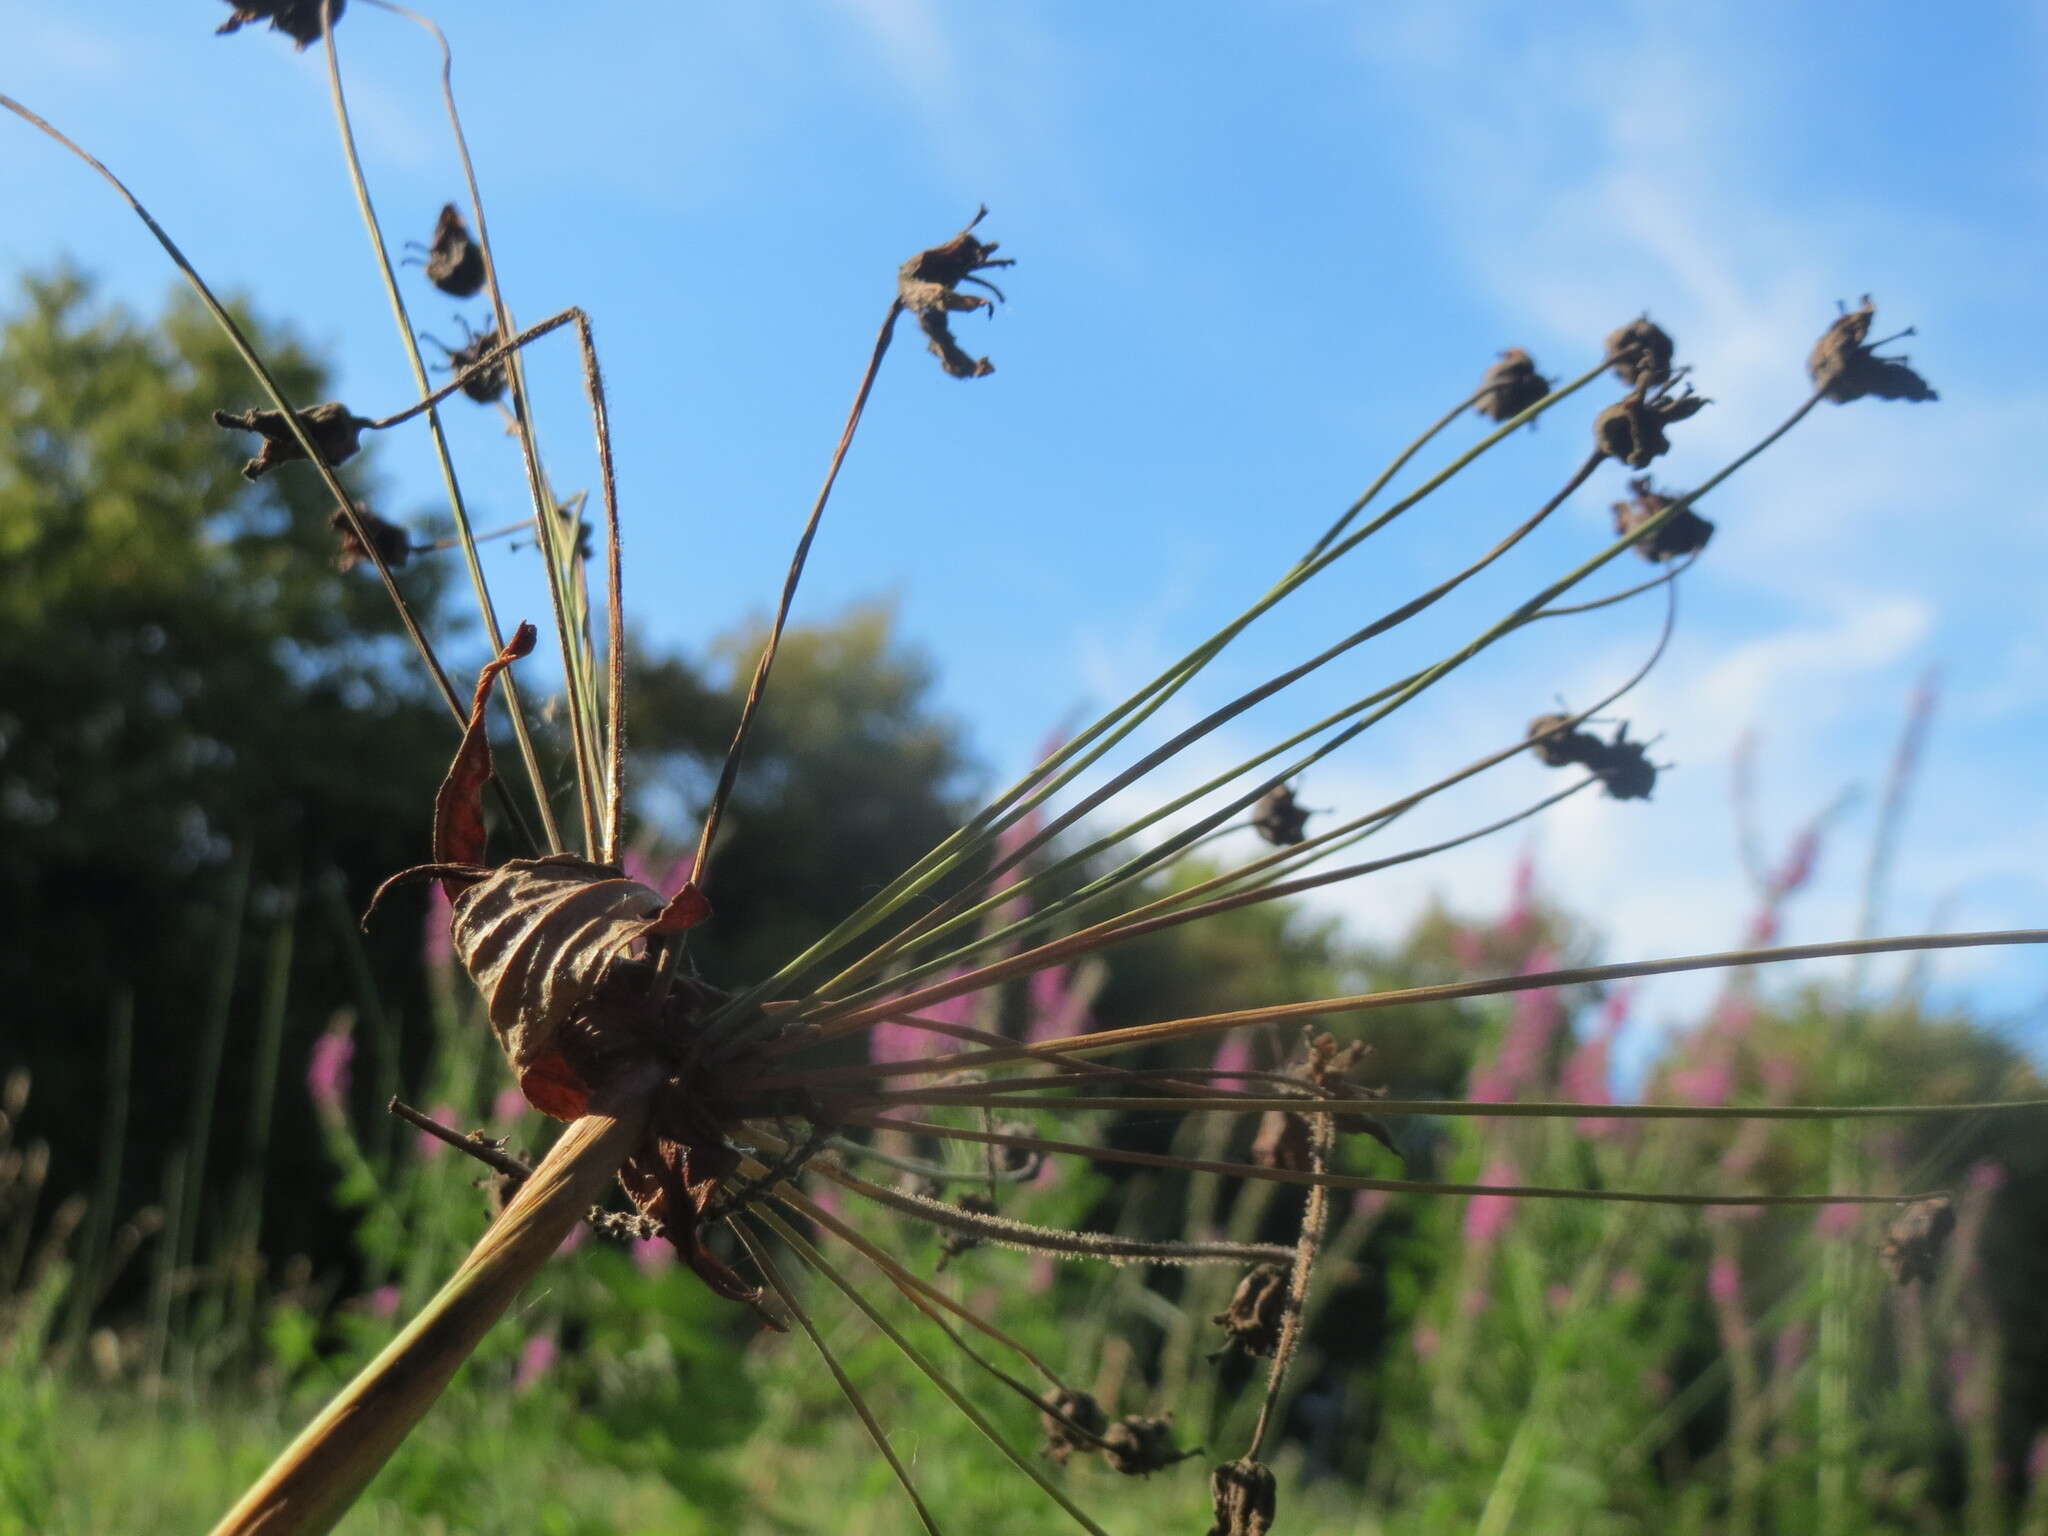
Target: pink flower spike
508, 1107
1427, 1341
1987, 1175
327, 1073
1724, 1282
1233, 1054
574, 1240
437, 936
1789, 1349
1486, 1216
2037, 1458
651, 1255
1837, 1219
1626, 1286
535, 1357
382, 1302
431, 1147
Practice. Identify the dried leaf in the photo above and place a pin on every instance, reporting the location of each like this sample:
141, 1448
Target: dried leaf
926, 286
333, 429
1632, 429
1242, 1492
297, 19
487, 384
1511, 386
459, 803
539, 937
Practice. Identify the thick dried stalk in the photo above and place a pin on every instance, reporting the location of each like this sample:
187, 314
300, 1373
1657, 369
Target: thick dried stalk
311, 1486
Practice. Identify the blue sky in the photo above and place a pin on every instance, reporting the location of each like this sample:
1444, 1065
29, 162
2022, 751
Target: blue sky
1259, 248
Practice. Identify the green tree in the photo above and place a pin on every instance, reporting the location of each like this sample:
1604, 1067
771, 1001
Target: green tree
186, 683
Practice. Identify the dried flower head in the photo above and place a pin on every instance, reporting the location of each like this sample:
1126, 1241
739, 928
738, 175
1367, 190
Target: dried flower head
1279, 818
1257, 1309
297, 19
1641, 351
1914, 1239
333, 429
392, 543
1625, 767
1845, 366
1684, 533
454, 261
1632, 429
1510, 386
1138, 1445
486, 384
927, 285
1243, 1494
1076, 1422
1556, 743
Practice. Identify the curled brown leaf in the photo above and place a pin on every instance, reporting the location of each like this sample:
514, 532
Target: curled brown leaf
927, 285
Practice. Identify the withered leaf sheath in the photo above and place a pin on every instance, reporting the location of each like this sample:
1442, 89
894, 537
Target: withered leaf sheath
1257, 1310
1684, 533
297, 19
1076, 1423
455, 262
1511, 386
1279, 819
926, 286
1138, 1445
333, 428
390, 541
1641, 352
1844, 367
1243, 1495
1914, 1239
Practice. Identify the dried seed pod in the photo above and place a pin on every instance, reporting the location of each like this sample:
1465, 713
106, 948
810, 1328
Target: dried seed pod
1914, 1239
1641, 352
953, 1243
1257, 1310
455, 262
297, 19
1624, 766
1556, 745
1632, 429
390, 541
1511, 386
1684, 533
1845, 368
1328, 1065
1138, 1446
487, 384
1076, 1423
332, 427
926, 284
1242, 1492
1279, 819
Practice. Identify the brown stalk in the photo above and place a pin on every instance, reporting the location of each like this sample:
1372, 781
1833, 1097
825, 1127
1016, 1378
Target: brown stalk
314, 1481
729, 774
1311, 1180
1217, 1023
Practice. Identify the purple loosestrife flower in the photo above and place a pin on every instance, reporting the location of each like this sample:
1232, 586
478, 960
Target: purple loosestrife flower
437, 938
1233, 1054
432, 1148
508, 1106
327, 1073
1584, 1078
1836, 1220
2037, 1458
1426, 1340
536, 1357
1486, 1216
382, 1302
1724, 1281
1788, 1350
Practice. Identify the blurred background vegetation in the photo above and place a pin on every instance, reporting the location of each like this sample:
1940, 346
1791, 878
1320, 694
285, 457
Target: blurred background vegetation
212, 748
